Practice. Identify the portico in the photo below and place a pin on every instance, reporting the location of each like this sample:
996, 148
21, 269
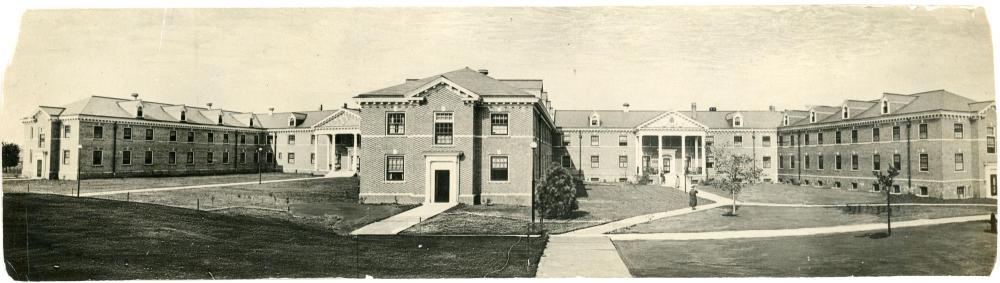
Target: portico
678, 145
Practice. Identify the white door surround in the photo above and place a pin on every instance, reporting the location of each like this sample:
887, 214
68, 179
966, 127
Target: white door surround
441, 161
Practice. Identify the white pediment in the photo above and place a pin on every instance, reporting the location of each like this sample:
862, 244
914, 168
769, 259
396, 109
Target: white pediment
340, 119
438, 83
672, 120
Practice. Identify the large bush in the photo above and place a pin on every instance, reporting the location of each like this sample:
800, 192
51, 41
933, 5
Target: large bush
555, 195
11, 154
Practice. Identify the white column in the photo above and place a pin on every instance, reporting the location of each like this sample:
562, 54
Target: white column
329, 152
683, 155
314, 158
704, 159
354, 157
638, 154
659, 158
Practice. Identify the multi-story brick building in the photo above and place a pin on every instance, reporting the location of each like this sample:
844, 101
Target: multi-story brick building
619, 145
113, 137
461, 136
943, 144
319, 142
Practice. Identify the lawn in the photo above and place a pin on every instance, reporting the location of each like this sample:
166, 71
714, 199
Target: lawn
791, 194
68, 187
326, 202
96, 239
764, 218
599, 204
948, 249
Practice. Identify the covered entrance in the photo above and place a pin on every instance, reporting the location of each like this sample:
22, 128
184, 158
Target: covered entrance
441, 177
442, 185
676, 143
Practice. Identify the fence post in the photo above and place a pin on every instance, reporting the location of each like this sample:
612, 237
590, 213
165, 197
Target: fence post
127, 197
198, 204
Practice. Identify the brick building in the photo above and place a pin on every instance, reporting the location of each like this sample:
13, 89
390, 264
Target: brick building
320, 142
619, 145
461, 136
943, 144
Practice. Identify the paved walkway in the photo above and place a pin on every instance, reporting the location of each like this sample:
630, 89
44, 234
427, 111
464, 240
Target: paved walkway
399, 222
872, 204
615, 225
193, 187
593, 257
793, 232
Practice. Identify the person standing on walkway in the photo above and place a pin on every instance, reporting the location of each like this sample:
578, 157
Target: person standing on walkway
693, 198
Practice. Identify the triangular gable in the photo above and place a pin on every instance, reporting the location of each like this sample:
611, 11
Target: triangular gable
340, 119
420, 92
671, 120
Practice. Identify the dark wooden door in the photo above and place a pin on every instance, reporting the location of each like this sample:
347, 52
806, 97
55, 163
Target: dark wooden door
442, 183
38, 169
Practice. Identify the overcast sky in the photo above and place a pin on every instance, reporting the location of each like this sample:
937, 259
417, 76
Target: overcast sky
590, 58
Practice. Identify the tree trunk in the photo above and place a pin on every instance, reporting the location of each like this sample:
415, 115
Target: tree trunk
734, 202
888, 210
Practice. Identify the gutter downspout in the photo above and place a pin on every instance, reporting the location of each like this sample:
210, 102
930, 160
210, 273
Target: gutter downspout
114, 149
909, 157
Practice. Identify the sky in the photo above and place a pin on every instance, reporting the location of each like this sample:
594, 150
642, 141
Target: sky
657, 58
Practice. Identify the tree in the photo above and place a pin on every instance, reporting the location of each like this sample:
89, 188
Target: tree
11, 154
735, 172
555, 195
885, 181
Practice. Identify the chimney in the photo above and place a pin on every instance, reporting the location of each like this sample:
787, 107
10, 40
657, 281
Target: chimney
712, 109
270, 111
694, 110
135, 96
485, 72
321, 107
209, 105
625, 107
345, 106
771, 108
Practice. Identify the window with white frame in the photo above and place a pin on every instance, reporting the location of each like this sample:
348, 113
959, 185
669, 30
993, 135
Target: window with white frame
876, 162
991, 140
623, 161
924, 162
854, 162
444, 128
595, 120
127, 134
291, 121
126, 157
291, 139
812, 116
498, 168
845, 112
148, 158
595, 140
190, 157
922, 131
291, 158
498, 123
65, 156
66, 131
395, 123
595, 161
959, 162
737, 141
959, 131
98, 158
738, 120
394, 168
819, 162
765, 141
622, 140
567, 161
885, 106
875, 134
138, 111
766, 162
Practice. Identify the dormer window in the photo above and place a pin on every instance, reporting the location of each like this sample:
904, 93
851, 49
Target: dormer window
251, 122
291, 121
183, 115
845, 112
885, 106
595, 120
220, 119
784, 120
738, 120
812, 116
138, 111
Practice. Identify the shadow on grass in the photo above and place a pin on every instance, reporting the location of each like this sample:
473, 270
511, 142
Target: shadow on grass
577, 214
874, 236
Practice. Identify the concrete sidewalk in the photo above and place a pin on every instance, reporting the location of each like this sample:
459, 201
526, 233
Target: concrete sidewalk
873, 204
590, 257
399, 222
793, 232
193, 187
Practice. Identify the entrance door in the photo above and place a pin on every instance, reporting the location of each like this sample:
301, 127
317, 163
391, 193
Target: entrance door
669, 170
38, 169
442, 184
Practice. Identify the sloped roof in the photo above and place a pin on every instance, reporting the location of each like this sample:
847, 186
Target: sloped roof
632, 119
279, 120
152, 111
751, 119
935, 100
472, 80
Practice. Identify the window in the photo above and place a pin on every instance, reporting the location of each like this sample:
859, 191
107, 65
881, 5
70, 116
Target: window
812, 116
895, 133
793, 161
138, 111
622, 180
148, 158
807, 139
922, 191
567, 161
737, 121
256, 157
595, 120
924, 162
622, 140
173, 135
885, 106
781, 162
225, 138
98, 132
875, 187
127, 134
444, 128
291, 158
819, 138
738, 141
595, 140
565, 141
270, 157
243, 157
922, 131
149, 134
190, 136
766, 161
312, 158
270, 139
66, 131
781, 140
498, 168
219, 121
595, 161
854, 185
896, 190
395, 124
126, 157
875, 135
845, 112
210, 157
66, 157
225, 157
765, 141
807, 164
838, 162
183, 115
190, 157
291, 121
291, 139
41, 140
876, 162
256, 139
243, 139
172, 157
838, 140
98, 158
960, 191
836, 184
646, 162
819, 162
211, 137
312, 139
393, 168
959, 131
854, 136
784, 120
959, 162
854, 162
623, 161
991, 140
498, 123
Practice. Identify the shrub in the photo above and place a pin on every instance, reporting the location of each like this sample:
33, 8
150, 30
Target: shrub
555, 195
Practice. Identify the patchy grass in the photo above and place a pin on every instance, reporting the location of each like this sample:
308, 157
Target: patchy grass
948, 249
95, 239
68, 187
598, 205
791, 194
765, 217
